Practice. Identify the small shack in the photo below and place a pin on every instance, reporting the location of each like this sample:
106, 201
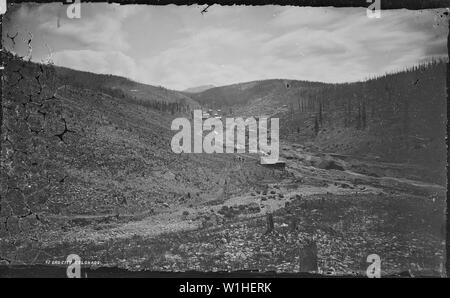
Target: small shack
279, 164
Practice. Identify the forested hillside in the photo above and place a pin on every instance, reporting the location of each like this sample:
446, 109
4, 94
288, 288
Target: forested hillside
245, 93
399, 117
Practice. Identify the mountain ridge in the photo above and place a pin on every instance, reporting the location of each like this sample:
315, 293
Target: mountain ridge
198, 89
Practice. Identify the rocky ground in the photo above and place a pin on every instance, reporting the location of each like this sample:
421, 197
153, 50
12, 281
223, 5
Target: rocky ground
317, 199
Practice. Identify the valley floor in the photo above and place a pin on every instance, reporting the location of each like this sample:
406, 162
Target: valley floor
348, 209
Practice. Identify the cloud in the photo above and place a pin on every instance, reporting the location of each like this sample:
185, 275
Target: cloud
212, 54
99, 28
178, 47
312, 17
342, 37
320, 44
102, 31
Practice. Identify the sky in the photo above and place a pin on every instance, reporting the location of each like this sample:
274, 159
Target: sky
178, 47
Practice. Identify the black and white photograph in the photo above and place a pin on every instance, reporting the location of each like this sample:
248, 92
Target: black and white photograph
297, 140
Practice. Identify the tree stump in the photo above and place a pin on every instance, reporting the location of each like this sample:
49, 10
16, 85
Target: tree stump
293, 226
308, 257
117, 212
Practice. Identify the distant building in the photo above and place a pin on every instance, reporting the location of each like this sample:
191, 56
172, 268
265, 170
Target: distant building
280, 164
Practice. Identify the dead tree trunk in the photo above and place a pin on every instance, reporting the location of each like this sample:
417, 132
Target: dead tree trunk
292, 111
320, 112
348, 112
364, 115
406, 117
358, 118
270, 226
316, 125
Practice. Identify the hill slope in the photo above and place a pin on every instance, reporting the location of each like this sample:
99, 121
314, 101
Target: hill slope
249, 92
69, 149
198, 89
124, 88
398, 117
